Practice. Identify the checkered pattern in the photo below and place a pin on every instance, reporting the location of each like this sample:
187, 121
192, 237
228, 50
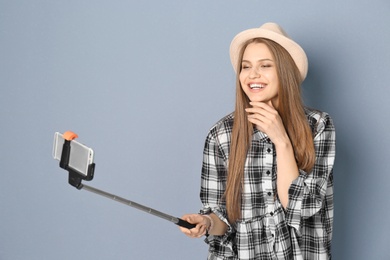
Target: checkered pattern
266, 230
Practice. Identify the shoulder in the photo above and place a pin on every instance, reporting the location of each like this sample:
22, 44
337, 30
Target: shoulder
224, 125
319, 121
221, 131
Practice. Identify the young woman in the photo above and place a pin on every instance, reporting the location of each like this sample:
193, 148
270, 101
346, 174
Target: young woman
267, 181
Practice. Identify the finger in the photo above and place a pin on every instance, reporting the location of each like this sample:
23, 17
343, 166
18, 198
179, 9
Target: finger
197, 232
256, 120
262, 120
258, 113
185, 231
202, 231
191, 218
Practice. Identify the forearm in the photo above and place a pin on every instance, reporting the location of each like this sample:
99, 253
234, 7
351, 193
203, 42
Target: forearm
287, 170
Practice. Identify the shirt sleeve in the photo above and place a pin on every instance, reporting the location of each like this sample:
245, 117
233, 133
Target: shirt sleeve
311, 192
213, 184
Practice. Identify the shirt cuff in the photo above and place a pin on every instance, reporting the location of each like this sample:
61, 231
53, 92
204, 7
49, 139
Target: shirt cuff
303, 202
225, 239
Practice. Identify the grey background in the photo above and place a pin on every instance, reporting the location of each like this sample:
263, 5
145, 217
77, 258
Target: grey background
141, 82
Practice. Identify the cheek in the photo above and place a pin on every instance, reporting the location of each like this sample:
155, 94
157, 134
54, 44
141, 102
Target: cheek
242, 78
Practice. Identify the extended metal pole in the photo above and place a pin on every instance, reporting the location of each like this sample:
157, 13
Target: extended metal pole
133, 204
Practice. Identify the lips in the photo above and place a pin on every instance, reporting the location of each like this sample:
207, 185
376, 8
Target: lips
257, 85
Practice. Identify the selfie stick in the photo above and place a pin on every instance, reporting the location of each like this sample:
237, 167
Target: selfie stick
133, 204
75, 179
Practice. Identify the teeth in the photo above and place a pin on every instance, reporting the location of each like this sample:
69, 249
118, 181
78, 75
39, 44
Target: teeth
252, 86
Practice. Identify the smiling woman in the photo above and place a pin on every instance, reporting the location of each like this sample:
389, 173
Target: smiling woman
267, 176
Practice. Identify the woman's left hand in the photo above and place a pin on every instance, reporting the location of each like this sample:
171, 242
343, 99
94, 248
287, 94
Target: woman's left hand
266, 119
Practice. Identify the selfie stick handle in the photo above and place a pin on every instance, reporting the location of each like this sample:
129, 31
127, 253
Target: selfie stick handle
133, 204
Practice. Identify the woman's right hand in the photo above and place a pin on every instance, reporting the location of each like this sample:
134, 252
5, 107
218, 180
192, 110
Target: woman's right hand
201, 222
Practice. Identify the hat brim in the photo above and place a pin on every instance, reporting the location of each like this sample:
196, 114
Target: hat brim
295, 50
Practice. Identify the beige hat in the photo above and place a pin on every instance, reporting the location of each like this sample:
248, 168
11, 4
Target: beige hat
273, 32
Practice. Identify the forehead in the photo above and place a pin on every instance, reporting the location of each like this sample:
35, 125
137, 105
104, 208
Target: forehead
256, 51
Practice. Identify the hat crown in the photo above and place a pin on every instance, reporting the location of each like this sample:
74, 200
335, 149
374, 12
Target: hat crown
273, 27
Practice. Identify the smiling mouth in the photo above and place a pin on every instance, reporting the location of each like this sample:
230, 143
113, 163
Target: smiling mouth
256, 86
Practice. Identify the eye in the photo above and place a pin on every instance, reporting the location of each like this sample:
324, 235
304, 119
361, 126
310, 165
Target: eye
266, 66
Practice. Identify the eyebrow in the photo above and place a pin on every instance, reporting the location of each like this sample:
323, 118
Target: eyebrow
258, 60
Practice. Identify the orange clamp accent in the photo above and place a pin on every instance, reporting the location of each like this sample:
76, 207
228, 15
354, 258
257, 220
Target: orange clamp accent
69, 135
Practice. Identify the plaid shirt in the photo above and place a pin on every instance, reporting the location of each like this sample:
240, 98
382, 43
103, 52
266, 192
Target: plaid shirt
303, 230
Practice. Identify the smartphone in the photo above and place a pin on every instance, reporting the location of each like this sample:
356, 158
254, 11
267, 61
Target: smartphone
80, 158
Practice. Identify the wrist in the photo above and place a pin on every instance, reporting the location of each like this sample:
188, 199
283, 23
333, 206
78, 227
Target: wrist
211, 223
283, 144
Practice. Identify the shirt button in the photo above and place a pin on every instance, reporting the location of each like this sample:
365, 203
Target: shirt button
269, 193
271, 213
268, 172
269, 150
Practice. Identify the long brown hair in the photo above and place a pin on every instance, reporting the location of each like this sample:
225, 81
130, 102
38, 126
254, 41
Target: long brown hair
290, 109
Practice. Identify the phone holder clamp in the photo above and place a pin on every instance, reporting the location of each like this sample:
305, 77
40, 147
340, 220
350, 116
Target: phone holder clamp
75, 177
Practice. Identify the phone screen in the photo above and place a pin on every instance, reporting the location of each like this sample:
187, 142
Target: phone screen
80, 157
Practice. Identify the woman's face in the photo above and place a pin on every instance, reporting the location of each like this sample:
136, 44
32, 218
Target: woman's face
258, 76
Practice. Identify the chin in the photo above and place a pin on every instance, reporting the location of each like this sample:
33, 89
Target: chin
257, 99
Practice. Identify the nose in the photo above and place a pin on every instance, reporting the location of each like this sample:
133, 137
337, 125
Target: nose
254, 73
